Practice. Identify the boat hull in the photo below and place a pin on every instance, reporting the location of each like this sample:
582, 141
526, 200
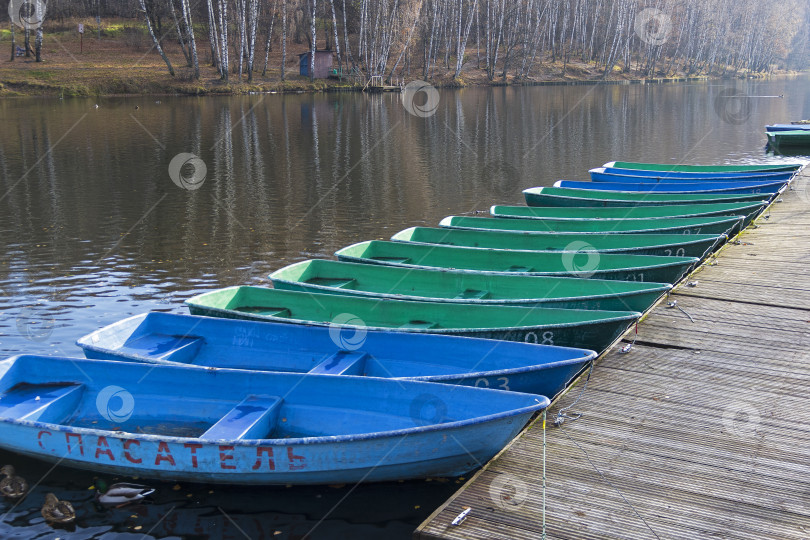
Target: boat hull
583, 263
767, 167
675, 187
165, 338
630, 213
426, 429
686, 226
636, 244
582, 197
352, 279
603, 174
594, 330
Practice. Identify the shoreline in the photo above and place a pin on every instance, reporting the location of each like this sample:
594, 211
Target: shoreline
36, 88
112, 67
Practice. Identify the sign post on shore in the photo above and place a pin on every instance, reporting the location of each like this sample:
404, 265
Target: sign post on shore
81, 38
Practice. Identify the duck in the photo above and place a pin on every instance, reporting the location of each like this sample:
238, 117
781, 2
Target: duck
12, 486
118, 495
58, 512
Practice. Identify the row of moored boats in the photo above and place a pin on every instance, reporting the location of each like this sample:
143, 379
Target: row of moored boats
372, 367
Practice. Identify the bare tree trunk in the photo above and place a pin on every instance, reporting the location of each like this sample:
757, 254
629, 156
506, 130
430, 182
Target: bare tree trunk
212, 35
334, 28
268, 46
186, 53
155, 40
192, 41
223, 28
283, 37
38, 44
254, 14
312, 51
349, 57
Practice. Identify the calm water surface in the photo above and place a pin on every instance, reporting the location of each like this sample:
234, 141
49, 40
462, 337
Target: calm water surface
92, 230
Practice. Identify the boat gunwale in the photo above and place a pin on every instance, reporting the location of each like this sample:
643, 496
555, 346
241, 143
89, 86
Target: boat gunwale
631, 231
714, 239
628, 315
591, 355
322, 439
493, 212
719, 191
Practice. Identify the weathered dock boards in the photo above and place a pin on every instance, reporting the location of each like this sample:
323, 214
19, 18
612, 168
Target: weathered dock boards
702, 430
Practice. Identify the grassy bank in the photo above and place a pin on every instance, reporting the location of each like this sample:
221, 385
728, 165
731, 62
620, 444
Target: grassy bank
123, 61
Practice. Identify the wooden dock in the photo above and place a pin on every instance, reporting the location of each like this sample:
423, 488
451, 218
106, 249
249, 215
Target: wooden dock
702, 430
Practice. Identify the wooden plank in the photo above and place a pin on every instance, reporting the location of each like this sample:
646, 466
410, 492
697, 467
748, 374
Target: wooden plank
702, 430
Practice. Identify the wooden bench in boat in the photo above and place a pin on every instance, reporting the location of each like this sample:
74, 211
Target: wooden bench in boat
41, 402
342, 363
254, 418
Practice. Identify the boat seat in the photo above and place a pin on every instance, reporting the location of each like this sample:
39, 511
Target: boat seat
392, 259
342, 363
254, 418
268, 311
164, 347
40, 402
517, 268
416, 325
335, 283
472, 294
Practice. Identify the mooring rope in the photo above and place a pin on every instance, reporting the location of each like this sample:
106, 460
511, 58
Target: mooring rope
561, 416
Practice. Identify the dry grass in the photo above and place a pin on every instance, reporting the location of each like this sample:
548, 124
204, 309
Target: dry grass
124, 61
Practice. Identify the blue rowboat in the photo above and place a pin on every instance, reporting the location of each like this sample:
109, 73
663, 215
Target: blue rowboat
675, 187
665, 167
605, 174
166, 338
184, 423
554, 196
787, 127
593, 329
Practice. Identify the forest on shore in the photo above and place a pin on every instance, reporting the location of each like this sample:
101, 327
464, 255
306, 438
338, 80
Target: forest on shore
205, 44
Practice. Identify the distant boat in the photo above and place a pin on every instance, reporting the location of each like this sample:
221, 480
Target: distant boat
605, 174
796, 137
187, 424
675, 187
761, 167
439, 285
537, 263
589, 329
628, 213
555, 196
787, 127
693, 225
633, 244
167, 338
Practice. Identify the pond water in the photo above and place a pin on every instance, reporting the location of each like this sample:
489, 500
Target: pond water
94, 229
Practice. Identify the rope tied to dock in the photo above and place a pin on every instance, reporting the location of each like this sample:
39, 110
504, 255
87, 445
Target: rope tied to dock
561, 416
674, 304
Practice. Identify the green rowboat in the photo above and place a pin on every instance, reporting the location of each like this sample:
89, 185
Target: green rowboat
708, 225
797, 137
636, 244
749, 210
581, 263
550, 326
551, 196
666, 167
372, 280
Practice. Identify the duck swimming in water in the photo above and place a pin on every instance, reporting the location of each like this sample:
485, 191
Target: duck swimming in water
12, 486
56, 511
118, 495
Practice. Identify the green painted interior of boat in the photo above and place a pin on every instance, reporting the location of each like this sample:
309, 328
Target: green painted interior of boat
705, 225
271, 304
666, 167
633, 212
644, 244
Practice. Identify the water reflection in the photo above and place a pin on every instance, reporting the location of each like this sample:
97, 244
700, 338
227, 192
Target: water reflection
92, 228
